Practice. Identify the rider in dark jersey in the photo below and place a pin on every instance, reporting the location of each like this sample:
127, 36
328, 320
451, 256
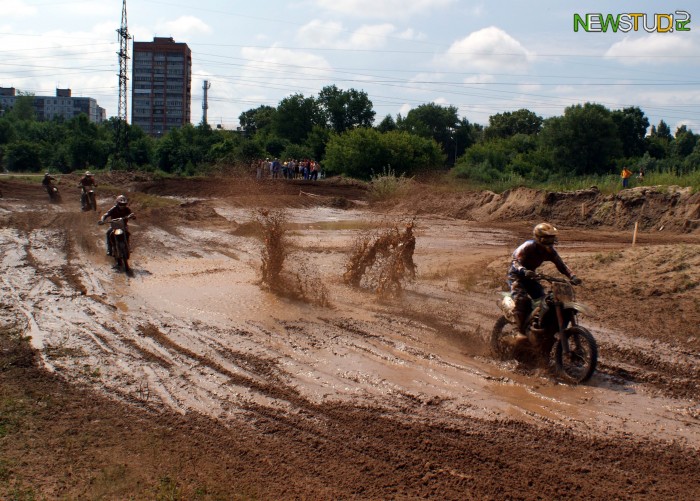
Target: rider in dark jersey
521, 274
120, 209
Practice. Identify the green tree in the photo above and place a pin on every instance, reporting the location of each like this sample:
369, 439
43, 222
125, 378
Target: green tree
22, 156
360, 152
345, 109
295, 118
256, 120
507, 124
7, 131
584, 141
658, 143
316, 142
23, 109
663, 131
387, 124
683, 142
432, 121
84, 145
632, 127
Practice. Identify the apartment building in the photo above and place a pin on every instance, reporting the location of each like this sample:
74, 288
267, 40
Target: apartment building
161, 85
63, 105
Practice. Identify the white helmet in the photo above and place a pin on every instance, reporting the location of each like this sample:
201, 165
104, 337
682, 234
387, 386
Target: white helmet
88, 173
121, 200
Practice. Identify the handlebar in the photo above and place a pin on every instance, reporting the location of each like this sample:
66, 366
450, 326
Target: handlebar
126, 218
551, 279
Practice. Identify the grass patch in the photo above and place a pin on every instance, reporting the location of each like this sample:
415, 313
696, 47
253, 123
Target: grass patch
608, 258
386, 185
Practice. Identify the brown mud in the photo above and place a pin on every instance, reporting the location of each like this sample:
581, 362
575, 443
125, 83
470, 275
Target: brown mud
191, 378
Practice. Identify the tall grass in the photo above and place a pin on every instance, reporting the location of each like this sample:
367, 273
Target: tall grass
387, 185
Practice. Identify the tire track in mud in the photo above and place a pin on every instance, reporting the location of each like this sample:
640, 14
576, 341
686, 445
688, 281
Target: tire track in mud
250, 364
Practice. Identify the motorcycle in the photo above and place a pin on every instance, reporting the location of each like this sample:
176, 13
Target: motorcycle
120, 241
87, 199
54, 195
551, 327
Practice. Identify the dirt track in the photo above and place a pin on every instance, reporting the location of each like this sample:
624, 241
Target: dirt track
190, 377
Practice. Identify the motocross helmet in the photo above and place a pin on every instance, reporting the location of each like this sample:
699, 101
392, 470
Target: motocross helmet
545, 234
121, 201
88, 173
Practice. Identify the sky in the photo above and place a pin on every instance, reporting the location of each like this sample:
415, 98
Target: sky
483, 57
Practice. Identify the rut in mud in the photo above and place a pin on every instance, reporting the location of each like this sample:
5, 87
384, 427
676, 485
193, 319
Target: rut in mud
360, 395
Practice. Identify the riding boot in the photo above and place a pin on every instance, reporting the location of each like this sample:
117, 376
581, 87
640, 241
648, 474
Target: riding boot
520, 318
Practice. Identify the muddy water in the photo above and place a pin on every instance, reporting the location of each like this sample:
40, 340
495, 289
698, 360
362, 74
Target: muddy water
194, 329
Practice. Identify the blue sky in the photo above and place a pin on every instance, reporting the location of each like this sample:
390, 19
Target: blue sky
482, 57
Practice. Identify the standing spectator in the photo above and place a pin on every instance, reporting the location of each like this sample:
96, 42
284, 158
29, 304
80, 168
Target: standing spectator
640, 176
626, 174
260, 168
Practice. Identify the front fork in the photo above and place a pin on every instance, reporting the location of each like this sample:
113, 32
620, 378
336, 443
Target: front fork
562, 326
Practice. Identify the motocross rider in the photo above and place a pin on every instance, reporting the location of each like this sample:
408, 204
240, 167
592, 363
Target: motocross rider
46, 182
120, 209
521, 274
87, 180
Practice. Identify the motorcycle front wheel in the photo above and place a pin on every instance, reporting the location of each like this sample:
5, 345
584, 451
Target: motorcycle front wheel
502, 330
124, 253
578, 366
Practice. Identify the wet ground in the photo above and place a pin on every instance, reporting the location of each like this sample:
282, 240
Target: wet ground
403, 389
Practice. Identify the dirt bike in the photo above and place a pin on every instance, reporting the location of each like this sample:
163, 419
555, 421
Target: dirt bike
552, 326
120, 241
87, 198
54, 195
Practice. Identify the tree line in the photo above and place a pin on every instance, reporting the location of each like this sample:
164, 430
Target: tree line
337, 128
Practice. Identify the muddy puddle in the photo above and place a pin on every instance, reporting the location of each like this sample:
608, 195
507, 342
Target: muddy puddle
193, 328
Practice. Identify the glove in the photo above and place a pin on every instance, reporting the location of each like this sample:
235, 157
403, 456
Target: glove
100, 222
575, 280
529, 274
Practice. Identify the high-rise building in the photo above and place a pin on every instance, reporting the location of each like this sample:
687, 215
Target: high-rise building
62, 106
161, 91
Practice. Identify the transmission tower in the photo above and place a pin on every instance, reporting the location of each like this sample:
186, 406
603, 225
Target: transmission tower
205, 101
122, 139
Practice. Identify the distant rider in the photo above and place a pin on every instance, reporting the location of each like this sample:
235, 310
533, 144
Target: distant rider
120, 209
85, 182
521, 274
47, 182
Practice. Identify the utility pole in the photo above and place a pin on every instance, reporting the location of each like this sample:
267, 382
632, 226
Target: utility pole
205, 101
122, 137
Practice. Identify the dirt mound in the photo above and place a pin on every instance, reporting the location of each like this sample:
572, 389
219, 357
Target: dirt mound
653, 207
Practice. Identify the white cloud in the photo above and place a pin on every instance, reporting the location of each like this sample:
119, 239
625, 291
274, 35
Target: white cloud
283, 68
371, 36
332, 34
16, 8
382, 9
654, 49
182, 27
488, 50
411, 34
404, 109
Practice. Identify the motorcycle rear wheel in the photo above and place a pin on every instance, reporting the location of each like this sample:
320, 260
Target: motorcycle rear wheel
580, 364
91, 202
